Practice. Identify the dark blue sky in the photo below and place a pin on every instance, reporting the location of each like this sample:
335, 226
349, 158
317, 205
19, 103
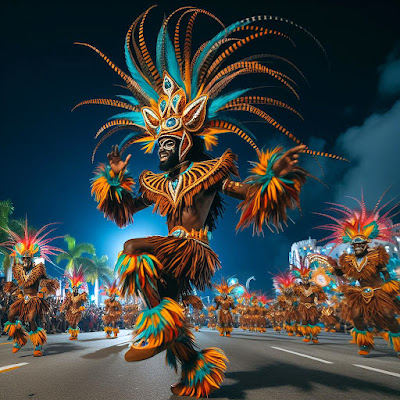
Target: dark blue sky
45, 149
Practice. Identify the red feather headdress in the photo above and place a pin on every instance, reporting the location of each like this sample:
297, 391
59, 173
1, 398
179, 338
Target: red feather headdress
76, 278
32, 244
361, 225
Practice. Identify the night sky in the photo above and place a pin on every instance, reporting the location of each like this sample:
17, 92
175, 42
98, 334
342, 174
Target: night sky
350, 108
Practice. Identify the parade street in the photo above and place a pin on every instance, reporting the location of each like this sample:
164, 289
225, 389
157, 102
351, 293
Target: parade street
262, 366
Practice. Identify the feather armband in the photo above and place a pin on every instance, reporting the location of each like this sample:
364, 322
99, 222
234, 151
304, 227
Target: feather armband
49, 286
269, 196
10, 287
113, 193
391, 287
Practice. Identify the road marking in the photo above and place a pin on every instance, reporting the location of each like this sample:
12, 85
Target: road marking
303, 355
382, 371
2, 344
12, 366
123, 344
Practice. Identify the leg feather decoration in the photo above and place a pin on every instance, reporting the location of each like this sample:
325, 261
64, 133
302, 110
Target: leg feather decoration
139, 273
203, 374
394, 341
391, 287
314, 330
269, 196
160, 325
16, 331
363, 339
38, 337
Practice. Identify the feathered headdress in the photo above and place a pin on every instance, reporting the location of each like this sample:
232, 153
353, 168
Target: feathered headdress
32, 244
223, 287
302, 269
180, 94
110, 289
283, 280
76, 278
360, 225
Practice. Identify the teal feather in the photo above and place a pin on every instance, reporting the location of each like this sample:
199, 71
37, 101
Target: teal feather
128, 137
137, 76
172, 63
375, 231
220, 101
211, 43
160, 60
148, 316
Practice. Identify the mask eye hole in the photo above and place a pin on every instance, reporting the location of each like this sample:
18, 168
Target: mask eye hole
167, 144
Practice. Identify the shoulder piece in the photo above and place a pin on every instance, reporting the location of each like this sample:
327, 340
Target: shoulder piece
168, 195
83, 297
218, 299
378, 256
49, 286
367, 267
28, 279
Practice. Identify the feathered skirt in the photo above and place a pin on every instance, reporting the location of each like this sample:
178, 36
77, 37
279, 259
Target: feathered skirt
73, 316
225, 318
112, 316
308, 312
28, 306
189, 259
373, 304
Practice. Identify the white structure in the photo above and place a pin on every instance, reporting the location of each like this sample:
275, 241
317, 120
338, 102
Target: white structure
300, 249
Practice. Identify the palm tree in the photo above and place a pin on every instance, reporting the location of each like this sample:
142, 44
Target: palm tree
6, 209
97, 270
74, 254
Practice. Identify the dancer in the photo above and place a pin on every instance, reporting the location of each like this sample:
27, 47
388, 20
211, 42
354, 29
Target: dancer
374, 301
33, 285
309, 295
73, 305
212, 318
224, 303
112, 310
176, 102
286, 302
131, 311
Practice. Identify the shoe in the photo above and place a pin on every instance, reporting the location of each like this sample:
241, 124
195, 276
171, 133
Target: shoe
228, 335
139, 353
315, 341
363, 350
38, 351
16, 347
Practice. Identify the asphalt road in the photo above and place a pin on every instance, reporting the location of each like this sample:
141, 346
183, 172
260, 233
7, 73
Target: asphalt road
262, 366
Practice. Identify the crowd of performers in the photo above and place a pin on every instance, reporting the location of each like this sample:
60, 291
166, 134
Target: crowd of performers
179, 102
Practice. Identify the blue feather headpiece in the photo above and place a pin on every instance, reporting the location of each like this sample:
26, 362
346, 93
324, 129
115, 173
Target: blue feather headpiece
180, 94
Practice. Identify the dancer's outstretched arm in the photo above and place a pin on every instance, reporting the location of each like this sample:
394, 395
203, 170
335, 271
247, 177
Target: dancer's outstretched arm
283, 166
272, 189
113, 190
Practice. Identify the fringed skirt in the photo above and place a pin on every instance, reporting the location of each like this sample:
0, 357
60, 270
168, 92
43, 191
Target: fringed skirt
73, 316
372, 304
225, 318
188, 260
30, 307
111, 317
308, 314
291, 315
